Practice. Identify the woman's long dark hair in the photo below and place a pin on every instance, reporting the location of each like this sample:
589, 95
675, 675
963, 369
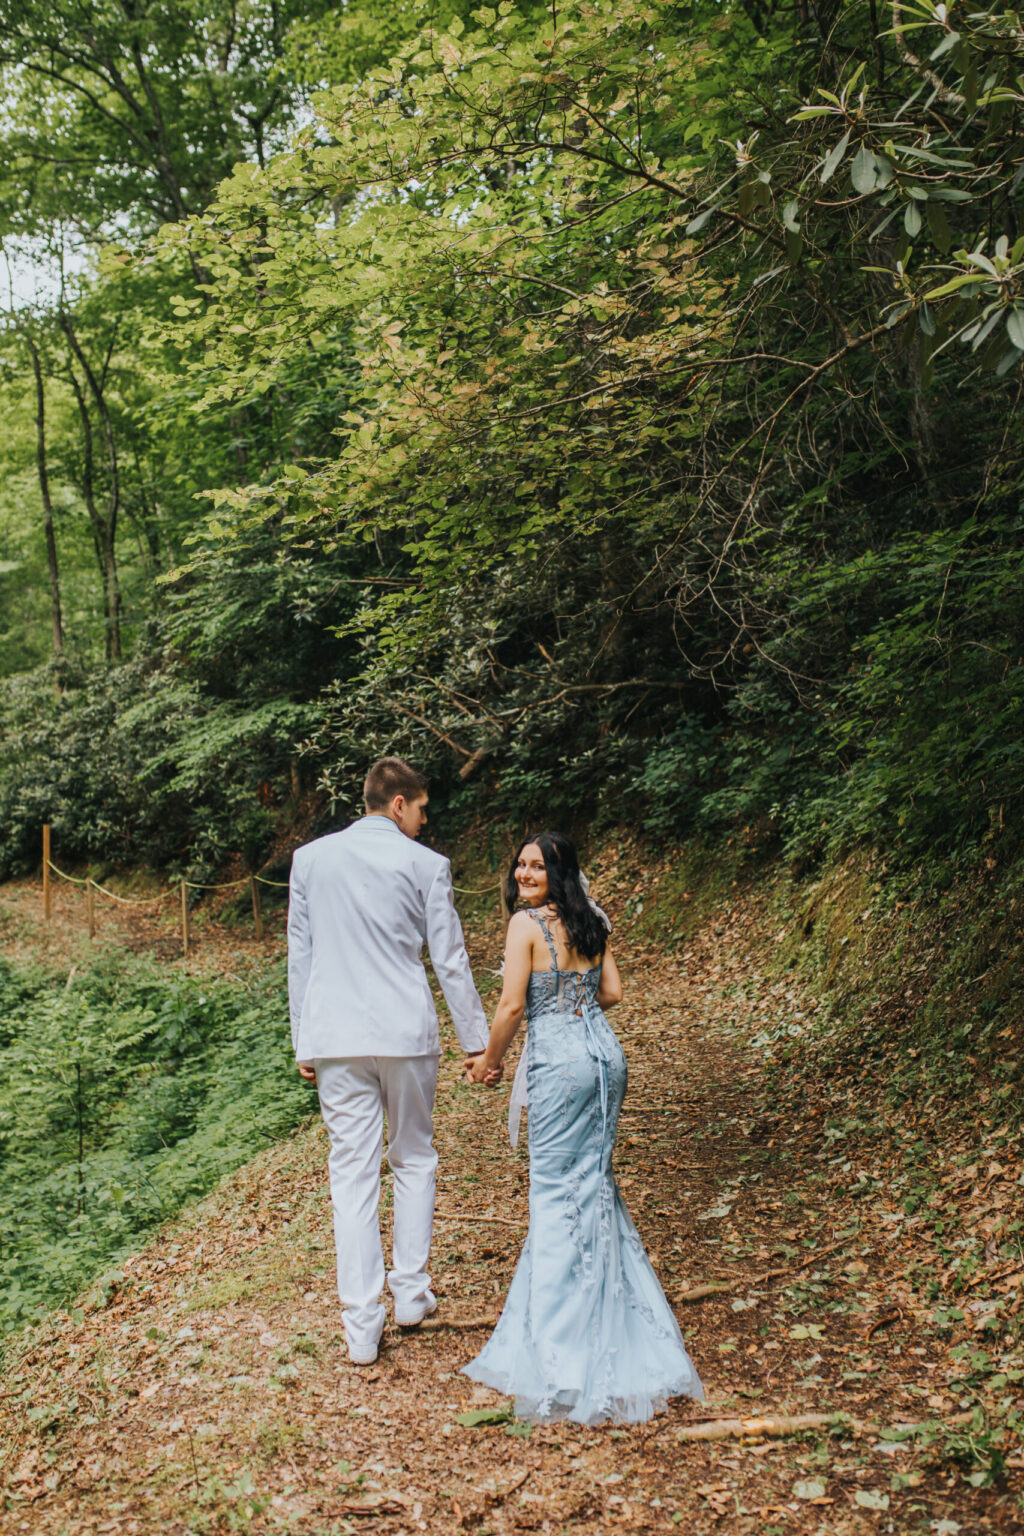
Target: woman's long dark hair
584, 930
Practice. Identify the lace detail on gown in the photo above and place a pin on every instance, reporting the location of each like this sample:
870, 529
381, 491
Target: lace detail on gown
586, 1332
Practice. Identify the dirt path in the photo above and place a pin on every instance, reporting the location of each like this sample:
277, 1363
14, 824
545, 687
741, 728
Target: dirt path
205, 1389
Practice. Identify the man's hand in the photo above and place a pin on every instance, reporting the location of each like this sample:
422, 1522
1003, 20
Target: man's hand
477, 1071
309, 1073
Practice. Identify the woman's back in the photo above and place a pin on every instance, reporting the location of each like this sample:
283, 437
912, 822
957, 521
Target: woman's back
586, 1332
561, 988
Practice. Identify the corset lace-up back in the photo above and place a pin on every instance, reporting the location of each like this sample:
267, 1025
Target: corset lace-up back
558, 990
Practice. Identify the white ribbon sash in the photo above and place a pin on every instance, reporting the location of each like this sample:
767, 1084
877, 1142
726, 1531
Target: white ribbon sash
517, 1099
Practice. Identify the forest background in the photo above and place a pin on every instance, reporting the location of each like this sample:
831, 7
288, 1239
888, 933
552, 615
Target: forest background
613, 407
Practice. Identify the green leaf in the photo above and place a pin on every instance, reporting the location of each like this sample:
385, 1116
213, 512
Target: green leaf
912, 220
868, 1498
851, 83
809, 1488
833, 158
1015, 327
946, 163
883, 224
949, 41
984, 331
862, 171
479, 1416
980, 260
953, 286
696, 225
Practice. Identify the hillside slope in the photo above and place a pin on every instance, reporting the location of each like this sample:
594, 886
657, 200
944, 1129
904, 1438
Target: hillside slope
203, 1388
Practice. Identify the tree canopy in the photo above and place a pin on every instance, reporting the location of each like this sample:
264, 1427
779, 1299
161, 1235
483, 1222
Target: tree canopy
612, 406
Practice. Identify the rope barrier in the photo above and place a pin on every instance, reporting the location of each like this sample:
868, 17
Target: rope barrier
128, 901
143, 901
72, 879
178, 892
226, 885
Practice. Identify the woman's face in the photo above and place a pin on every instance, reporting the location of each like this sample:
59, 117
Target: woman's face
532, 876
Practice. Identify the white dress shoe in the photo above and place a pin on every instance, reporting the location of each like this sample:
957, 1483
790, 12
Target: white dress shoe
411, 1317
362, 1359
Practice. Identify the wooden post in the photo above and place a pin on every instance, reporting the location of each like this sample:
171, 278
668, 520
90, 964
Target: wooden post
257, 910
47, 913
90, 907
184, 919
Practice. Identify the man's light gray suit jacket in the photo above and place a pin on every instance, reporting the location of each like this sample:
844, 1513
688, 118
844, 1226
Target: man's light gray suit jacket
362, 904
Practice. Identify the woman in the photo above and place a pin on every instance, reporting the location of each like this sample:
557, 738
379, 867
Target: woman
586, 1333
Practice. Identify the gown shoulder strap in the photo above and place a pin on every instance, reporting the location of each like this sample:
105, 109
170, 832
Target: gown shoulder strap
545, 930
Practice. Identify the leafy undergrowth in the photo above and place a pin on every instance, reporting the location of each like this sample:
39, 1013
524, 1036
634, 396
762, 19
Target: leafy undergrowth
203, 1387
127, 1088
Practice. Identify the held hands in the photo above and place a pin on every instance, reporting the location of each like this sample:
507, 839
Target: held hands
477, 1071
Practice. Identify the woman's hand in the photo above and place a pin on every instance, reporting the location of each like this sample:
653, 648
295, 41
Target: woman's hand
478, 1071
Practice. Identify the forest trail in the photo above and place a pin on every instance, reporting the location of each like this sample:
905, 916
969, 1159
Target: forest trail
205, 1389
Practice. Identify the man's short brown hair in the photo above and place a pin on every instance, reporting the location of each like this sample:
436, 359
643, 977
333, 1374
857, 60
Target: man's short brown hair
390, 777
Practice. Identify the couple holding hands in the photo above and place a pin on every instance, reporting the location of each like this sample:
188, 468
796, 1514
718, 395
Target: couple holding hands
586, 1332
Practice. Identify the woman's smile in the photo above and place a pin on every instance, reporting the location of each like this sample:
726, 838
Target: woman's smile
532, 875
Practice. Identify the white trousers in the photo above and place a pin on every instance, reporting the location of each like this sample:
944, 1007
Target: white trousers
355, 1094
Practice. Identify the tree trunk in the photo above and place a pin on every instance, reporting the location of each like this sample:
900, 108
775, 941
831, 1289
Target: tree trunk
104, 526
44, 492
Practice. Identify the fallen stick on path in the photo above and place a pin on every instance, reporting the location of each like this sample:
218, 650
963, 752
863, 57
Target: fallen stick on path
890, 1315
741, 1283
1004, 1274
433, 1324
761, 1429
499, 1497
715, 1288
790, 1424
497, 1221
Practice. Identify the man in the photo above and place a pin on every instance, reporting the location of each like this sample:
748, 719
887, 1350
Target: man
362, 904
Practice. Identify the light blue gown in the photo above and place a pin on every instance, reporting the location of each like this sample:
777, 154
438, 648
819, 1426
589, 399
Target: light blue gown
586, 1332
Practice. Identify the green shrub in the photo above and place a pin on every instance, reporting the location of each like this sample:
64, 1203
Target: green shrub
124, 1094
